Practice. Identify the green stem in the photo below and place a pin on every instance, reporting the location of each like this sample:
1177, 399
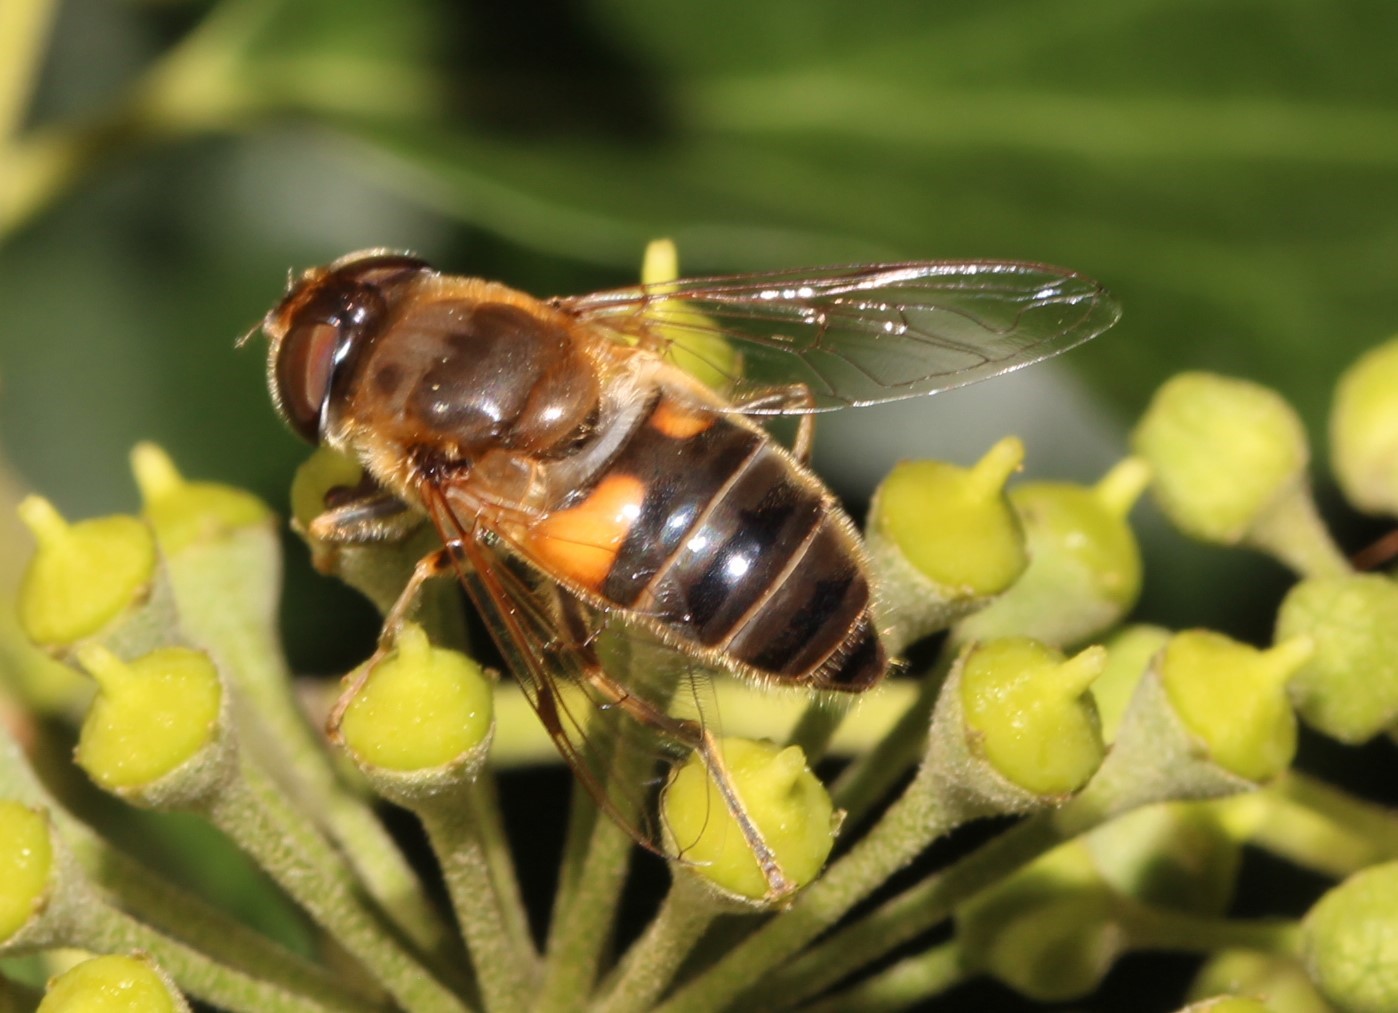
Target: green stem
467, 837
905, 830
103, 929
817, 727
24, 30
152, 897
1320, 827
913, 911
227, 601
593, 873
745, 711
651, 963
1293, 532
871, 776
266, 824
1157, 928
908, 984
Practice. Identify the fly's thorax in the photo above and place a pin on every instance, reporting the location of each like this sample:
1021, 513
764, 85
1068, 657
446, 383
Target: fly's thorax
470, 368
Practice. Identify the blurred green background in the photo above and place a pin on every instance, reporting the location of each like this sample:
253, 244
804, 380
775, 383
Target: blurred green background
1228, 168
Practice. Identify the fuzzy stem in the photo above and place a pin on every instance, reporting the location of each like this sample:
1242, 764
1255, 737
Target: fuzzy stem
1157, 928
593, 873
910, 824
817, 727
105, 930
650, 965
908, 984
1293, 532
871, 776
266, 825
226, 606
915, 910
150, 896
24, 29
466, 835
1319, 827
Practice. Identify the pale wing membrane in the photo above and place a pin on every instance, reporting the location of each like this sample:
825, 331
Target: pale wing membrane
869, 334
568, 658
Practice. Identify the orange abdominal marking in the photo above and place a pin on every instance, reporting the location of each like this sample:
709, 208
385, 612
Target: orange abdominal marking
582, 542
676, 423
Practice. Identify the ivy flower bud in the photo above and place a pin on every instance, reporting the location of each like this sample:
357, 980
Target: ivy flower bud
1084, 572
83, 577
26, 866
1129, 653
1279, 977
1232, 698
376, 569
113, 984
1046, 931
945, 540
1349, 687
153, 733
1350, 941
1229, 1004
1229, 464
422, 708
696, 346
1222, 452
184, 513
1026, 713
326, 469
1364, 431
785, 801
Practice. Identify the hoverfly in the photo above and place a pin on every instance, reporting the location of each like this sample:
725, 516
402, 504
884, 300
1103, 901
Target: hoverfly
577, 475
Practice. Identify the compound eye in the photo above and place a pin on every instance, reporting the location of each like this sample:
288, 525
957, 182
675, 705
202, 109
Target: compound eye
305, 364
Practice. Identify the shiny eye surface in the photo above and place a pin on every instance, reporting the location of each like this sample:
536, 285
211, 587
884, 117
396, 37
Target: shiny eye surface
305, 366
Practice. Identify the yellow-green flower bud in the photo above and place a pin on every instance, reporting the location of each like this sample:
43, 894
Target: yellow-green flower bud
1084, 572
153, 720
1129, 653
26, 866
324, 470
783, 799
1229, 1004
945, 540
1179, 855
1028, 714
1232, 698
1349, 687
421, 708
696, 347
112, 984
1047, 931
1364, 431
186, 513
379, 568
1222, 452
83, 576
1229, 462
1252, 973
1350, 942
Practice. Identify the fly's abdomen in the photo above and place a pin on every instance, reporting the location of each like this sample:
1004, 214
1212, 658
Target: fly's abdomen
735, 549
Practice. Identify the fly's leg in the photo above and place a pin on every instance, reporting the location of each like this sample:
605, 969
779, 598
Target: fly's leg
363, 516
695, 735
794, 399
434, 564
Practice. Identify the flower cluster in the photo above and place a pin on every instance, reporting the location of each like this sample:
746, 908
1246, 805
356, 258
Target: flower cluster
1138, 762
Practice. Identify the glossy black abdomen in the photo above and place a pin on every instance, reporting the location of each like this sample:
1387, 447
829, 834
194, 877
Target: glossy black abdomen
738, 550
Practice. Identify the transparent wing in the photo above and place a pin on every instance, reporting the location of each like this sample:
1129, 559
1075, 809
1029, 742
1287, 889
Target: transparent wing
858, 335
618, 705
